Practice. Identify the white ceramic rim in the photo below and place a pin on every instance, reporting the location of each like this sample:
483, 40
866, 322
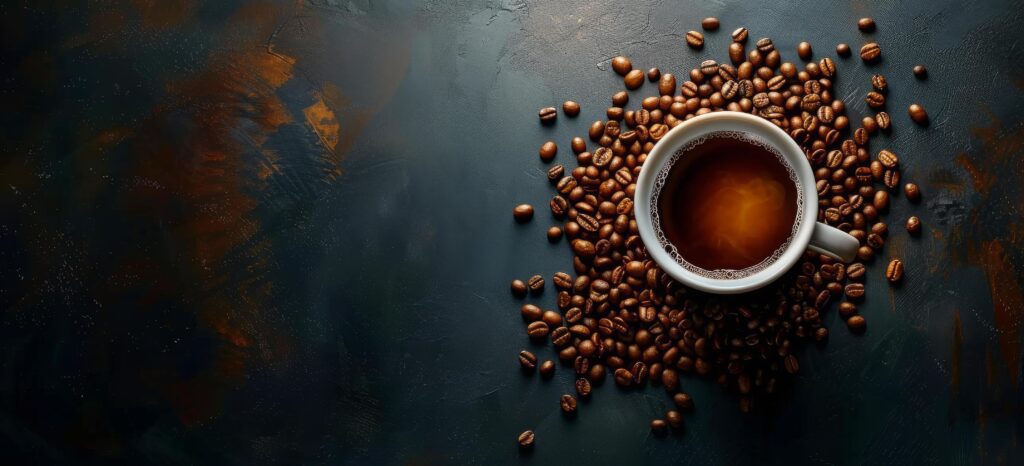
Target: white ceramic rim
692, 129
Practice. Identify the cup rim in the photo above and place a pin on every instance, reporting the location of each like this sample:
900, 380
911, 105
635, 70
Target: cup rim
687, 131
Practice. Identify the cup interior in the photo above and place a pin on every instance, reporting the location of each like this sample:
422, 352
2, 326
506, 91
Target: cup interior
671, 149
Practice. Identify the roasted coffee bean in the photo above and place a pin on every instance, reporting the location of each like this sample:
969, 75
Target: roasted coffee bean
765, 45
917, 113
694, 39
530, 312
639, 373
866, 24
920, 71
622, 65
856, 271
536, 284
596, 130
653, 74
856, 323
554, 234
547, 369
568, 404
870, 52
559, 206
674, 419
537, 330
566, 185
875, 241
583, 387
583, 248
582, 364
843, 50
527, 360
667, 84
875, 99
878, 82
623, 377
526, 439
570, 108
562, 280
881, 200
803, 50
736, 53
827, 67
560, 336
659, 426
709, 67
891, 178
548, 150
912, 192
547, 115
620, 99
791, 364
913, 225
519, 288
847, 309
634, 79
888, 159
556, 172
710, 24
683, 401
740, 35
894, 272
854, 290
882, 119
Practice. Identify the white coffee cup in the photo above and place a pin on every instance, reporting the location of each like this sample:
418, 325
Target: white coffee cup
810, 234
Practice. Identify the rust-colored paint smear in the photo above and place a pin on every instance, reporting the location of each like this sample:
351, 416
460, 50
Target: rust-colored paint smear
163, 14
1007, 302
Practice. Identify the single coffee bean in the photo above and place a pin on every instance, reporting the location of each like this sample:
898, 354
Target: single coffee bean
634, 79
674, 419
561, 336
856, 271
570, 108
914, 225
568, 404
912, 192
843, 50
623, 377
556, 172
537, 330
740, 35
827, 67
552, 318
653, 74
765, 45
695, 39
847, 309
667, 84
881, 200
548, 150
526, 439
920, 71
620, 99
547, 369
883, 120
596, 130
583, 387
622, 65
856, 323
683, 401
894, 272
519, 288
888, 159
803, 50
866, 24
562, 280
530, 312
891, 178
536, 284
710, 24
870, 52
875, 99
527, 360
854, 290
878, 82
791, 364
659, 426
918, 114
547, 115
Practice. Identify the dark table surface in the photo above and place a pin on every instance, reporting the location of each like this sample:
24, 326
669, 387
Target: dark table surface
280, 232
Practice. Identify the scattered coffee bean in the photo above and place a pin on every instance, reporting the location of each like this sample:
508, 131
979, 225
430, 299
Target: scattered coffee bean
570, 108
554, 234
674, 419
568, 404
847, 309
560, 336
556, 172
856, 324
914, 225
547, 369
843, 50
537, 330
894, 272
710, 24
547, 151
827, 67
583, 388
912, 192
740, 35
527, 360
634, 79
918, 114
683, 401
866, 24
854, 290
623, 377
548, 115
519, 288
883, 120
530, 312
653, 74
803, 50
522, 213
878, 82
765, 45
659, 426
920, 71
695, 39
870, 52
875, 99
622, 65
526, 439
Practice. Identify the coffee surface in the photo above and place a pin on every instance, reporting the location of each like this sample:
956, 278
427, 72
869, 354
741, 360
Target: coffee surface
728, 204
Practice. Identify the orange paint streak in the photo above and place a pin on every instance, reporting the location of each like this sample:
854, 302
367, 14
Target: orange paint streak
1007, 302
324, 123
982, 181
957, 350
163, 14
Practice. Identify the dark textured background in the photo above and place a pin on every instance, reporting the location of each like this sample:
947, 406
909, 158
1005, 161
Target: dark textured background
280, 232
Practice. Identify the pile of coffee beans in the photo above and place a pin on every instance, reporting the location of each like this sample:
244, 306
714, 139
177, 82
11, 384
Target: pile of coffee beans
620, 314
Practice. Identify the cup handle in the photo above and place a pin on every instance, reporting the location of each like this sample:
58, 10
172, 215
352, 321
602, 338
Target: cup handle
833, 242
